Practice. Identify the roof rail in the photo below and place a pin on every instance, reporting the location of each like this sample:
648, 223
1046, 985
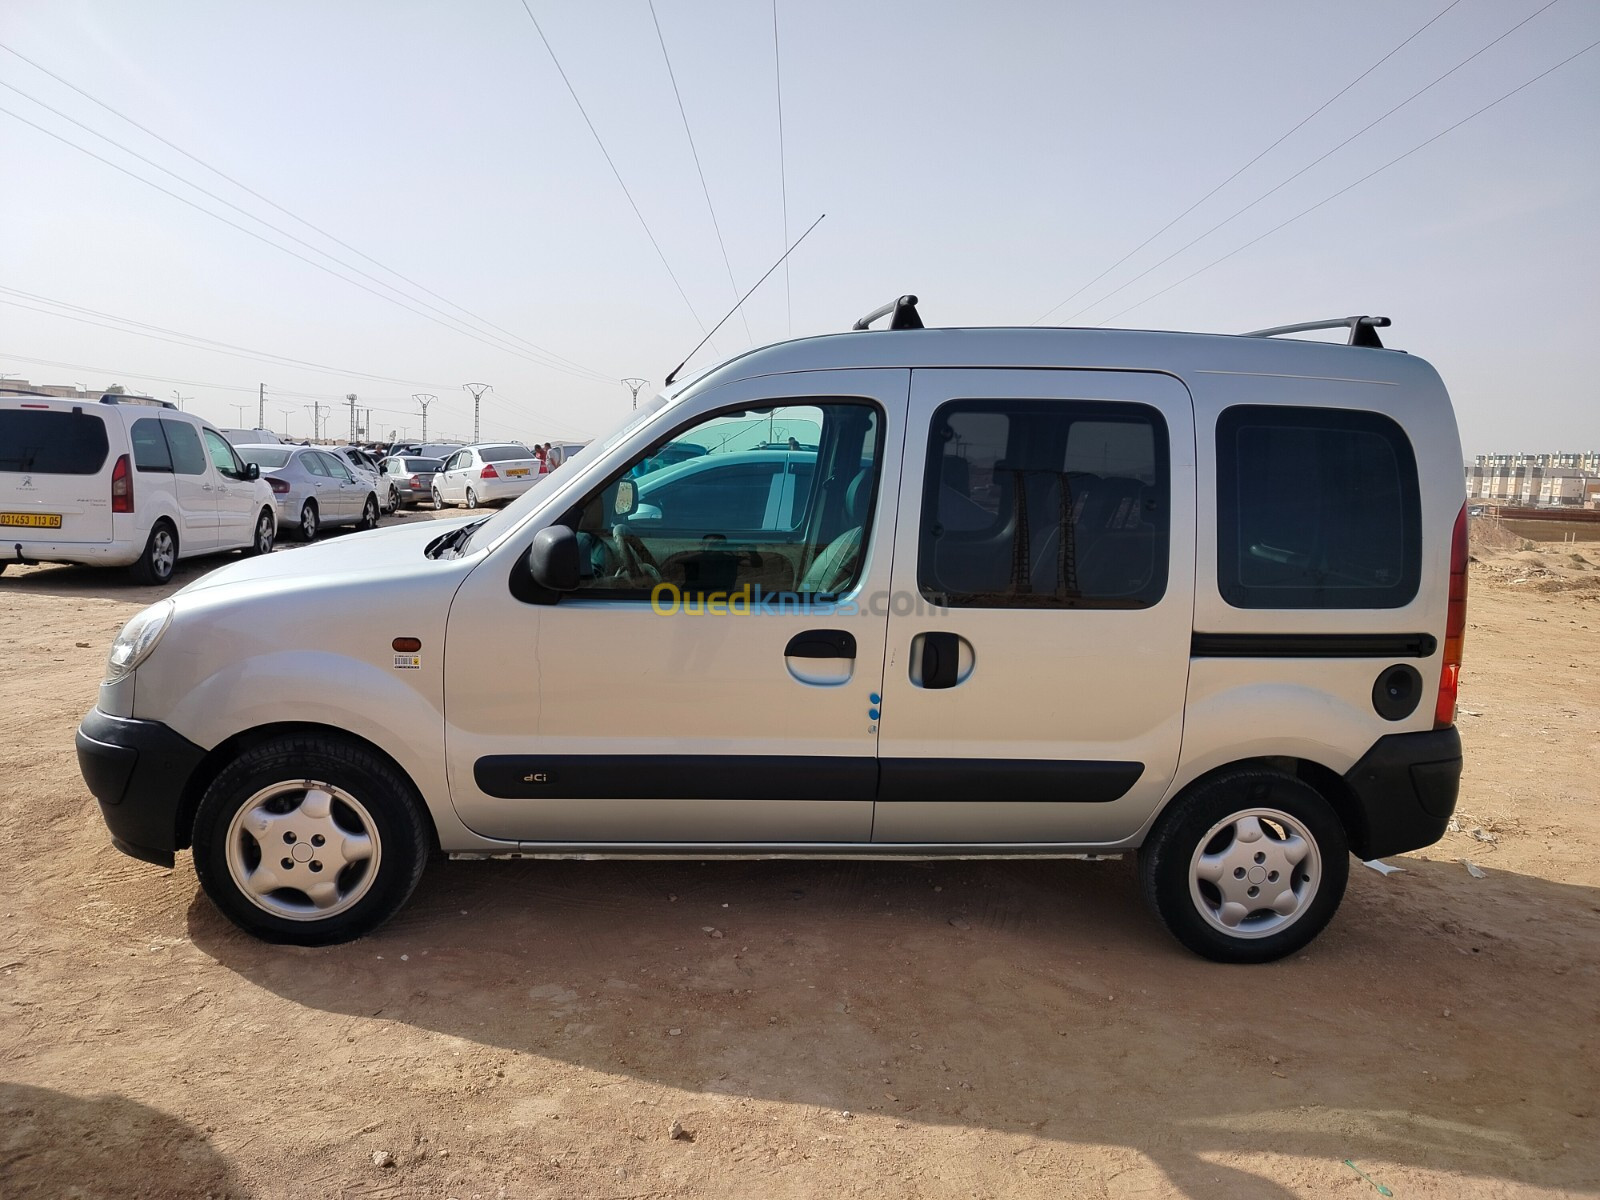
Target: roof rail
147, 401
1363, 330
904, 310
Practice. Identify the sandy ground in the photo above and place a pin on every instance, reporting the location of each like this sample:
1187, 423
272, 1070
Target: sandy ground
952, 1030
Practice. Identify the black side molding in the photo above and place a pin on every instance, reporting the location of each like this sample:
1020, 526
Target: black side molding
1312, 645
801, 777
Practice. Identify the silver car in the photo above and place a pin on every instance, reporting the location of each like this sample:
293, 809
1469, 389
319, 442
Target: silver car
313, 488
409, 479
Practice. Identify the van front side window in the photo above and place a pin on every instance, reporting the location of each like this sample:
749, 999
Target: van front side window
776, 499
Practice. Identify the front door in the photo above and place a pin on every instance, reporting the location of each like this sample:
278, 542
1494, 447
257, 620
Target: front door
1037, 668
236, 495
716, 677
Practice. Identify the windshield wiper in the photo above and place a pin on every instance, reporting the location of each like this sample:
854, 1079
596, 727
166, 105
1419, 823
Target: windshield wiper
455, 541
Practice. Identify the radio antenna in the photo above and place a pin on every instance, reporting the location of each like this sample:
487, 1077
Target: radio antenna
673, 374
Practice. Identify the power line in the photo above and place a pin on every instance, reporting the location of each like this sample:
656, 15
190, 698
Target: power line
188, 339
1314, 162
783, 168
584, 113
275, 228
458, 328
1302, 122
1357, 183
696, 153
274, 204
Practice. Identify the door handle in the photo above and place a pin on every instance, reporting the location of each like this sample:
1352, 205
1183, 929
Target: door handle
821, 643
941, 660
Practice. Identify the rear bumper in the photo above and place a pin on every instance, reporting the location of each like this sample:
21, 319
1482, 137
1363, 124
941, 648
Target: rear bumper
87, 554
1406, 788
138, 771
494, 490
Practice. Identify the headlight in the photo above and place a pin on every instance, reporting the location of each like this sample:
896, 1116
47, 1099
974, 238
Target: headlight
137, 639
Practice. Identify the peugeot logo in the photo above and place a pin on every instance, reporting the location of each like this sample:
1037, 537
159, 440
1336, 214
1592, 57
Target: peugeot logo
27, 481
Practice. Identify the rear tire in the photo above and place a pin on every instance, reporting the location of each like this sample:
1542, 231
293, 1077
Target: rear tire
309, 522
159, 558
1247, 867
349, 825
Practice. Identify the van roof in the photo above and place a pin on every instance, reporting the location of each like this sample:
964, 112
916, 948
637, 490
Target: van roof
1026, 347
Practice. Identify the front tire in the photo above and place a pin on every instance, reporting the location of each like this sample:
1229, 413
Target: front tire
159, 558
438, 500
369, 514
266, 533
472, 498
310, 522
394, 500
310, 840
1246, 868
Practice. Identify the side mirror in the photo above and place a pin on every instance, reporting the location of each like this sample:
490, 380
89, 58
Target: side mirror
553, 559
627, 500
252, 471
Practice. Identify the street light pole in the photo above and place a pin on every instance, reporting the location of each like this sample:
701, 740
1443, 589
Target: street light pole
180, 399
239, 408
634, 385
477, 390
287, 412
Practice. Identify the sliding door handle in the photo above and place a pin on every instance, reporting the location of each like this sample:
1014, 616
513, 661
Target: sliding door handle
821, 643
941, 660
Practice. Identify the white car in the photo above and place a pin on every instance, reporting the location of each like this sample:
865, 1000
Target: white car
491, 473
1043, 593
123, 481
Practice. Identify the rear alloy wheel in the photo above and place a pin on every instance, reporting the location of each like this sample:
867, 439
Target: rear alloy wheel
310, 839
472, 498
160, 557
266, 533
309, 521
1246, 868
369, 513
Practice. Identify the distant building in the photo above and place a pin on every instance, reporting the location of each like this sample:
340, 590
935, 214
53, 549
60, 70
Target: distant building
1552, 480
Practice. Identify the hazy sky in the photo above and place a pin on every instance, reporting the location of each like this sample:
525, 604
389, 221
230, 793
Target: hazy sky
993, 158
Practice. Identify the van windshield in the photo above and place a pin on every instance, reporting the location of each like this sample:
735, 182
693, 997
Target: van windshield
52, 443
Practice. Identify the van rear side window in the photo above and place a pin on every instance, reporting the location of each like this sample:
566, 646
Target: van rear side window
1316, 508
150, 452
52, 443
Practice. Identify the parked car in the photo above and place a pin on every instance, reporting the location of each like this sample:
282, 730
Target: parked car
1048, 592
123, 481
439, 450
486, 474
366, 468
409, 479
314, 488
251, 437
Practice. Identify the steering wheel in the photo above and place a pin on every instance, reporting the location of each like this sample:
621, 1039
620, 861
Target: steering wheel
636, 557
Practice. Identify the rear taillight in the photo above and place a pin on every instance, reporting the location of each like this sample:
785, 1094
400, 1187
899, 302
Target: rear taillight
122, 486
489, 472
1455, 627
280, 487
415, 482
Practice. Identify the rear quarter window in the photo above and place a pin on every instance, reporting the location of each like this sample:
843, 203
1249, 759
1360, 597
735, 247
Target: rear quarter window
1316, 508
41, 442
150, 452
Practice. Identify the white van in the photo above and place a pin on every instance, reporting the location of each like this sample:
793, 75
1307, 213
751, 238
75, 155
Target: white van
123, 481
1035, 592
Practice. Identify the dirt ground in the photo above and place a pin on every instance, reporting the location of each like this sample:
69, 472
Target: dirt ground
818, 1030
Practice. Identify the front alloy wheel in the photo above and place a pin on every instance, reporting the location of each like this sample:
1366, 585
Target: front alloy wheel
369, 514
310, 839
1249, 866
266, 532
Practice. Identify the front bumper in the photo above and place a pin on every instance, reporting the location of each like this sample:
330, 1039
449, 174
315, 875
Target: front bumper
1406, 788
138, 770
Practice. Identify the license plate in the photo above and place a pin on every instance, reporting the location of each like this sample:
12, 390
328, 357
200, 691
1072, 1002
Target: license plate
517, 471
32, 520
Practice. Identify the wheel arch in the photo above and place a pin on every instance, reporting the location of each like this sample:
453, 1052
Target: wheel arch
224, 752
1328, 783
